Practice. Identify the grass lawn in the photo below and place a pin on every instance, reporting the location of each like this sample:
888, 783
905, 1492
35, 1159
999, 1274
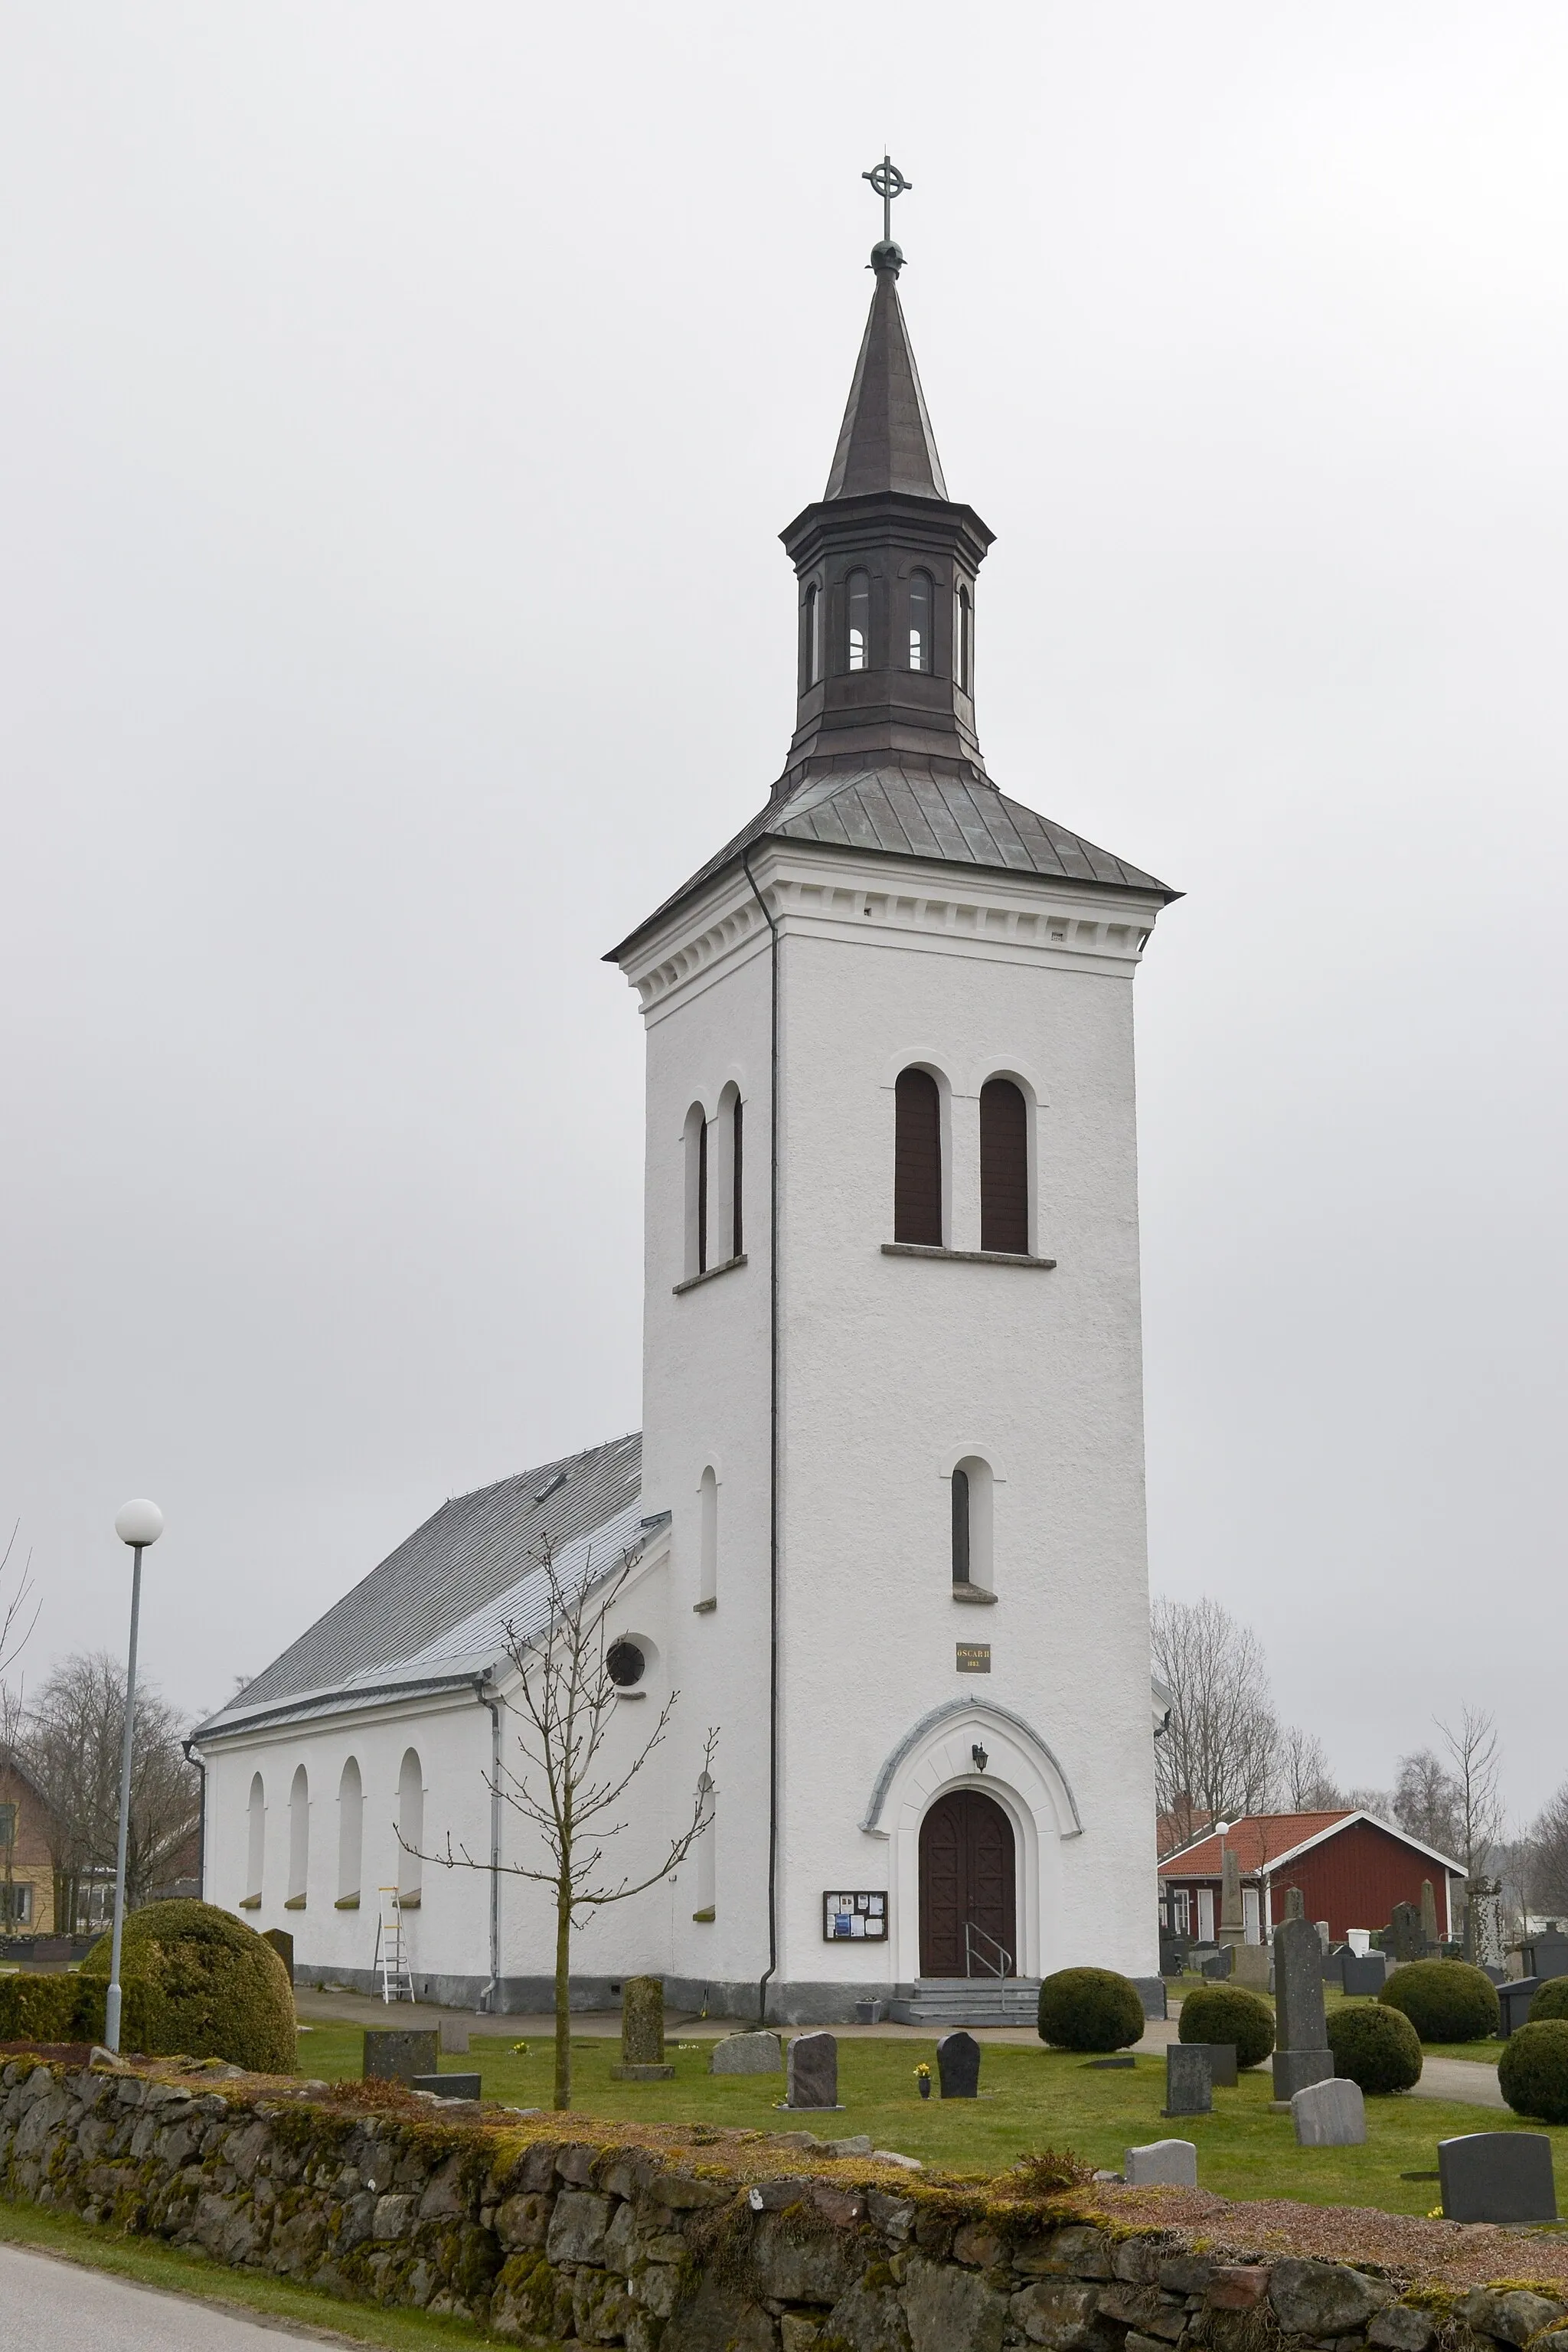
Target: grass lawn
177, 2270
1029, 2098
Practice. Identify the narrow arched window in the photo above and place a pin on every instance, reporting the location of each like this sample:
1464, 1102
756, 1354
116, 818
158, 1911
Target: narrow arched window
972, 1523
696, 1144
1003, 1167
917, 1160
254, 1842
351, 1835
858, 603
737, 1128
922, 604
410, 1828
961, 1526
298, 1841
811, 637
708, 1537
962, 629
724, 1176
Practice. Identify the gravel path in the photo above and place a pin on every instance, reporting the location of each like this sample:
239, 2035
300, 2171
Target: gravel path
55, 2306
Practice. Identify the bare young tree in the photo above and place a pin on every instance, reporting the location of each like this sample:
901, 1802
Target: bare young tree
1215, 1757
1476, 1761
1426, 1801
1548, 1856
69, 1741
568, 1697
1303, 1782
16, 1621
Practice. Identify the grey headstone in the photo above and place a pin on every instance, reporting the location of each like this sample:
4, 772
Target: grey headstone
1189, 2080
1429, 1914
1250, 1967
1364, 1973
448, 2086
454, 2032
747, 2054
1513, 2002
958, 2065
1325, 1936
1404, 1938
1298, 2016
1546, 1955
812, 2076
1330, 2114
1220, 1964
1231, 1919
1496, 2177
642, 2022
1222, 2062
1294, 2070
1295, 1903
398, 2057
1162, 2163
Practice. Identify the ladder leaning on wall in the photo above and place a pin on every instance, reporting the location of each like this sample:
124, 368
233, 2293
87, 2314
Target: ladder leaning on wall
391, 1950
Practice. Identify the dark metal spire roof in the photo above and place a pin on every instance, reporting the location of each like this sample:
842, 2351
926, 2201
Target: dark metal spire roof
886, 442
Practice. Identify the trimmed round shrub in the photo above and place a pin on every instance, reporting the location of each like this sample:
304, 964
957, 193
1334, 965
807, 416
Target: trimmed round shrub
1532, 2072
207, 1987
1222, 2012
1446, 2001
1090, 2008
1376, 2047
1549, 2000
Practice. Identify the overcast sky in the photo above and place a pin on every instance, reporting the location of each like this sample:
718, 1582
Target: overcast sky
398, 406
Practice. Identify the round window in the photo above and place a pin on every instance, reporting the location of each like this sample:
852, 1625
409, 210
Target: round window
627, 1664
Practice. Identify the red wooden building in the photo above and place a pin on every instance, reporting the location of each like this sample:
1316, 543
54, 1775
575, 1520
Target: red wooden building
1350, 1867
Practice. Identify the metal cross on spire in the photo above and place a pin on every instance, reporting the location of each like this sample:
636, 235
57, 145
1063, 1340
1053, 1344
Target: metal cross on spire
888, 182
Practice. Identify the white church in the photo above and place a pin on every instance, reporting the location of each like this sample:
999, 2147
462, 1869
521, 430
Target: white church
886, 1515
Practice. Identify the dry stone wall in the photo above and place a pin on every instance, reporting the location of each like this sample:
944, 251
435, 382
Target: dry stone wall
549, 2242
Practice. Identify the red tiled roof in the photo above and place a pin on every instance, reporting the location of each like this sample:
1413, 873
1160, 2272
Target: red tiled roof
1257, 1840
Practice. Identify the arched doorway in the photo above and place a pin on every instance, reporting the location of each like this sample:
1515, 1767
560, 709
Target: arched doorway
968, 1876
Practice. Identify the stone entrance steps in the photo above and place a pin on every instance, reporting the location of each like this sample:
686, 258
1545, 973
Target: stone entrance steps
948, 2003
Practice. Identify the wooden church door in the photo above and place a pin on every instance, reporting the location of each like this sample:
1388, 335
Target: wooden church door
968, 1871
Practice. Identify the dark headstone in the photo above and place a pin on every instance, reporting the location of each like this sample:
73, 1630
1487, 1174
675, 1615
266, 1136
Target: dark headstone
1546, 1955
398, 2057
1496, 2177
958, 2065
1173, 1956
811, 2074
1220, 1964
642, 2034
1302, 2055
1189, 2082
448, 2086
283, 1943
1222, 2062
1362, 1973
1513, 2000
1404, 1938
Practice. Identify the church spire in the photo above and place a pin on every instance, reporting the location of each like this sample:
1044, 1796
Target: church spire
886, 442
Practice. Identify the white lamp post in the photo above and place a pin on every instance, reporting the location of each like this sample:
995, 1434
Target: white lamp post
138, 1524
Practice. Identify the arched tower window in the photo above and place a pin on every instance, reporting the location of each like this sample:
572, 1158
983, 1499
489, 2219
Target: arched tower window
696, 1190
972, 1520
857, 605
708, 1537
922, 606
917, 1160
350, 1836
1003, 1167
298, 1841
254, 1842
811, 637
410, 1828
962, 633
721, 1222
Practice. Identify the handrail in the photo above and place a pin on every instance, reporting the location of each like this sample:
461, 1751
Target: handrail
970, 1955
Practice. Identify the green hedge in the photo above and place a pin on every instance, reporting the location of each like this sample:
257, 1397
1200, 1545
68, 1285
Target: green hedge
69, 2008
211, 1985
1532, 2073
1550, 1999
1446, 2001
1222, 2012
1090, 2008
1376, 2047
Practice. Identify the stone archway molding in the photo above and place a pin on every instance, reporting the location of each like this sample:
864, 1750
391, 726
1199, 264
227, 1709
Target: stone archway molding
920, 1733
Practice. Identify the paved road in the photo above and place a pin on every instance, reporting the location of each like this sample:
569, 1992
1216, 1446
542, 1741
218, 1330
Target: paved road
55, 2306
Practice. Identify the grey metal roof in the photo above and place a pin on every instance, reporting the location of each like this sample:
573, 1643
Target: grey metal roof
907, 809
885, 442
435, 1608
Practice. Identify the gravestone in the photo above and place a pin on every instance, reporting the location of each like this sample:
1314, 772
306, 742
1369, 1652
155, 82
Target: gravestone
958, 2065
642, 2034
283, 1943
1302, 2053
1330, 2114
454, 2032
1546, 1955
1363, 1972
1325, 1936
1163, 2164
1189, 2082
398, 2057
812, 2075
1250, 1967
746, 2053
1404, 1938
1232, 1919
1218, 1965
1295, 1903
1222, 2062
448, 2086
1496, 2177
1513, 2003
1429, 1914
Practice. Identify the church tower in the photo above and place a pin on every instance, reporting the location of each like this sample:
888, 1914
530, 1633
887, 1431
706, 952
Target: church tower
892, 1377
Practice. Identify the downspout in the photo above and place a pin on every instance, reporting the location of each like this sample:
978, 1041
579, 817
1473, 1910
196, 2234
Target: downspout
201, 1764
773, 1447
491, 1992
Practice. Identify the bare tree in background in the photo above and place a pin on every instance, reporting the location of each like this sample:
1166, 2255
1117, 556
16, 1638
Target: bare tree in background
16, 1621
1475, 1760
1216, 1756
568, 1699
1303, 1782
1426, 1802
1548, 1842
69, 1740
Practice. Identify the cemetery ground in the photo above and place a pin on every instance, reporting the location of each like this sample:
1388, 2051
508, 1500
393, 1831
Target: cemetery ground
1031, 2097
